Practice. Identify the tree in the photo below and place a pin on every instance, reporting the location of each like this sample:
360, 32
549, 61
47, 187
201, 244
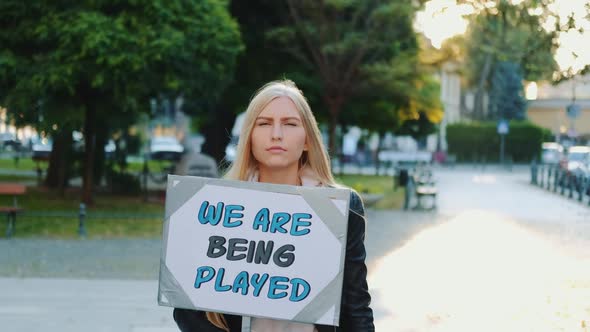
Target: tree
506, 94
354, 47
87, 61
260, 63
503, 30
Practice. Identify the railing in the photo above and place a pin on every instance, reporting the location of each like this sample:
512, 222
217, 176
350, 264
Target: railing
573, 184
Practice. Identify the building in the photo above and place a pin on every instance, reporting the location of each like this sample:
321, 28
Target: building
450, 96
548, 103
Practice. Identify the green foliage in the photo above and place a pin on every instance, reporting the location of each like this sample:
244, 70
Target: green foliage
64, 53
510, 32
506, 94
479, 140
95, 64
364, 53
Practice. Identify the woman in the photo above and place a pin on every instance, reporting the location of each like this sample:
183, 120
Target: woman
281, 143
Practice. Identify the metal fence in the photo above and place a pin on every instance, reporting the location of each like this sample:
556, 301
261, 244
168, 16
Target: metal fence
574, 185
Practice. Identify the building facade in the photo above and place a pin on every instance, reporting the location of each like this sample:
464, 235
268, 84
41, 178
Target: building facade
547, 107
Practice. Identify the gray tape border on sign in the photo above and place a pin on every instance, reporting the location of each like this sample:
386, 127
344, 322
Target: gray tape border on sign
188, 186
330, 215
185, 189
171, 289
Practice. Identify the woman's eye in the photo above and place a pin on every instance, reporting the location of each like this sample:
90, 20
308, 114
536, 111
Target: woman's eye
263, 123
291, 124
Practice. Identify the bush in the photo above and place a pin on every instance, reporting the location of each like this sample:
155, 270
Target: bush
480, 140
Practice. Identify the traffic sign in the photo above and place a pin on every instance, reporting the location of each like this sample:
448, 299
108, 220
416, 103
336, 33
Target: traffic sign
503, 127
573, 111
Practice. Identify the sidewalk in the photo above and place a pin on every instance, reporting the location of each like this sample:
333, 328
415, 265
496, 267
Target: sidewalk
70, 305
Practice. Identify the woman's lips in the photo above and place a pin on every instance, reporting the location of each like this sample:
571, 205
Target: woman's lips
276, 149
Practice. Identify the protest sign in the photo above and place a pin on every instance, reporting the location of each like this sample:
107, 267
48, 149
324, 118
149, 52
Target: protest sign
254, 249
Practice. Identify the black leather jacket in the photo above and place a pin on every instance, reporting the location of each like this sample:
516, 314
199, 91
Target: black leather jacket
355, 313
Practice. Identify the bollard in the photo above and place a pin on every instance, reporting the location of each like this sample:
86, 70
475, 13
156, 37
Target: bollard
534, 172
81, 219
581, 187
548, 182
409, 187
542, 177
10, 226
571, 186
556, 179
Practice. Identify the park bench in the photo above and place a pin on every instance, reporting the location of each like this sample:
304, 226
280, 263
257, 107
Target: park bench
425, 187
14, 190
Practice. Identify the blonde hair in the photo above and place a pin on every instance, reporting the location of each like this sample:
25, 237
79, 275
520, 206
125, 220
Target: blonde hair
316, 157
244, 165
218, 320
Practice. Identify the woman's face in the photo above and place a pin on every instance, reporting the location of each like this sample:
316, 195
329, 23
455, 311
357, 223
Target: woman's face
278, 138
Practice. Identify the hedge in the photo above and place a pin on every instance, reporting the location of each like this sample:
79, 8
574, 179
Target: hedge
480, 141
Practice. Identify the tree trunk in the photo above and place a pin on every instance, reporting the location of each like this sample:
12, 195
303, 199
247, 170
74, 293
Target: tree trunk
217, 133
332, 148
58, 171
478, 100
90, 146
376, 155
99, 158
334, 105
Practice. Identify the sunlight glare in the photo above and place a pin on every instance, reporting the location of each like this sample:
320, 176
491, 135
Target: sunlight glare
479, 272
442, 19
531, 91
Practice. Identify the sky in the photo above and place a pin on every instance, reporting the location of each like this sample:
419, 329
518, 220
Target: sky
442, 19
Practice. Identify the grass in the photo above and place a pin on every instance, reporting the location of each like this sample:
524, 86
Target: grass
153, 166
26, 164
52, 216
17, 178
376, 184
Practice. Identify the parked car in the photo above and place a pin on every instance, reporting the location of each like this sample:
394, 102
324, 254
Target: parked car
578, 159
230, 149
41, 148
109, 149
9, 142
165, 148
551, 153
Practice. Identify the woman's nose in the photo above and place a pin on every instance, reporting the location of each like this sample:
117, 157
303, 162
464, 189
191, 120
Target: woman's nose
277, 131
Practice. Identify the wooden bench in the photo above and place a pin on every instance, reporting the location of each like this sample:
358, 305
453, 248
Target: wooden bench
15, 190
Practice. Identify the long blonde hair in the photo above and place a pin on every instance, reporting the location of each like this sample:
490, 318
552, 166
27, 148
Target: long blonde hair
244, 165
316, 158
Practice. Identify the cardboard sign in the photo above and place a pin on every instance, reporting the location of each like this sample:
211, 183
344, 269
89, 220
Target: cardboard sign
254, 249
